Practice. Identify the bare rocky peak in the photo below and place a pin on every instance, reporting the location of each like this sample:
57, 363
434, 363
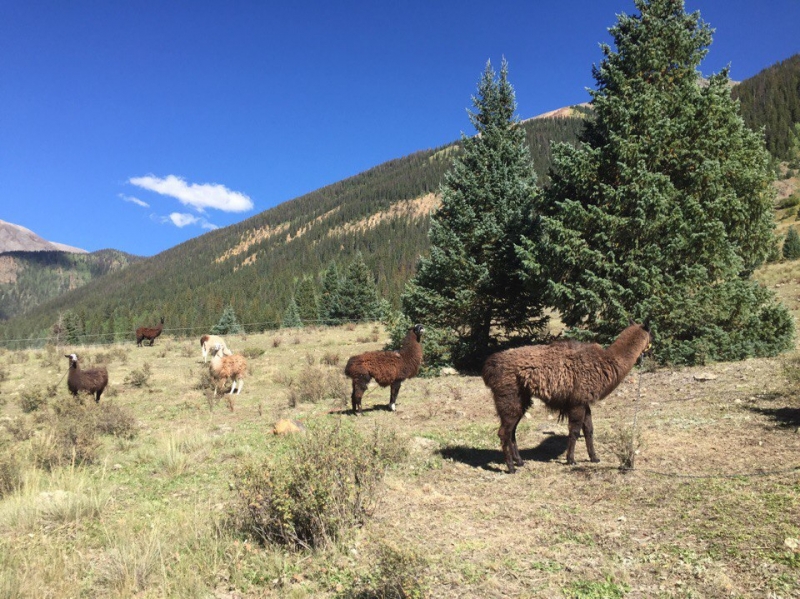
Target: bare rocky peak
14, 238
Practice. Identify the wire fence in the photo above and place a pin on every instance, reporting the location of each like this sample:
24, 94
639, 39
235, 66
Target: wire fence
113, 338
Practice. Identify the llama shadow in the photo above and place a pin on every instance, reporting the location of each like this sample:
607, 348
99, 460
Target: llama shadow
785, 417
551, 448
349, 411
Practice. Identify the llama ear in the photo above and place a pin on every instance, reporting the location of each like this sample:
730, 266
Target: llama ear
646, 324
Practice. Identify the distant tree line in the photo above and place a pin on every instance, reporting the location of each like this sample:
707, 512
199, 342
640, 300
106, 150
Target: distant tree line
771, 100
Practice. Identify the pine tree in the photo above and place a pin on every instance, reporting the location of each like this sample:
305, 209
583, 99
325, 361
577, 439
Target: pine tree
228, 324
291, 317
472, 285
330, 310
358, 293
306, 298
664, 209
791, 245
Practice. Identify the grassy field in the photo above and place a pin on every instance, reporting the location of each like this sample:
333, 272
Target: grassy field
712, 508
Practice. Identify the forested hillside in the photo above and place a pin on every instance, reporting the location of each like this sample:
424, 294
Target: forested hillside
771, 99
28, 279
254, 265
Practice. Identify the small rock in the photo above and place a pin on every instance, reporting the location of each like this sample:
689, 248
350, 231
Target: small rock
286, 427
705, 376
448, 371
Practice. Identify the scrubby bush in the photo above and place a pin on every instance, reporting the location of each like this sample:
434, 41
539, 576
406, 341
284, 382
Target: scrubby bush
253, 352
317, 492
117, 421
33, 399
140, 378
315, 384
331, 359
10, 471
70, 436
398, 574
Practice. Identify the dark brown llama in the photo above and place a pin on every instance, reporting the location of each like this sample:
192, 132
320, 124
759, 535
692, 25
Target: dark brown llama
93, 381
567, 376
149, 333
388, 368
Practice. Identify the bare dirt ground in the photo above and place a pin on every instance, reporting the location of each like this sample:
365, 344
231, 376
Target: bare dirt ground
707, 511
712, 508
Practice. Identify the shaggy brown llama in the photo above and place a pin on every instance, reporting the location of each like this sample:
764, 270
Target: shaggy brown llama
93, 381
149, 333
388, 368
567, 376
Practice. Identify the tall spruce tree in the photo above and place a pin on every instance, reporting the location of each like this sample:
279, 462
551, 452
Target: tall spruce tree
228, 323
330, 309
306, 297
664, 209
291, 317
471, 287
358, 293
791, 244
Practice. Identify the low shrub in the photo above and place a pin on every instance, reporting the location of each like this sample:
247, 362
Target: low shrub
331, 359
626, 442
70, 436
253, 352
116, 421
31, 400
315, 384
10, 471
316, 493
140, 378
398, 573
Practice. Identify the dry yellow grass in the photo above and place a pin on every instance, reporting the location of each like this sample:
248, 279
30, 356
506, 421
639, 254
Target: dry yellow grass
711, 510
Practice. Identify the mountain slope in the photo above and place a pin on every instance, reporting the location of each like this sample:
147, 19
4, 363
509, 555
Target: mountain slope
254, 265
30, 278
771, 100
15, 238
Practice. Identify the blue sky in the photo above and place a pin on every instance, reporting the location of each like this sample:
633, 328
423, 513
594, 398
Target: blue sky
139, 125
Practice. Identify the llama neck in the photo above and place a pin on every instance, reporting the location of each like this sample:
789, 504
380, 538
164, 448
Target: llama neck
627, 348
411, 350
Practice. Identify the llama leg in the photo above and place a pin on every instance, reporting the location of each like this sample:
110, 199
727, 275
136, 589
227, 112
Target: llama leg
359, 386
233, 386
508, 422
239, 390
393, 395
576, 416
514, 449
588, 433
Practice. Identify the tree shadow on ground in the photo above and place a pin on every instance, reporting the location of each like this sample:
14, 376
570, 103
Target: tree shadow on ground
551, 448
785, 417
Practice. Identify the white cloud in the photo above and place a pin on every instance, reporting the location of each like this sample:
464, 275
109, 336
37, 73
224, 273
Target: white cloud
199, 197
134, 200
181, 219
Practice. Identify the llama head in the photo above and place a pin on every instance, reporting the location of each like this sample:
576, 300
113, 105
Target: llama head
217, 347
73, 359
418, 330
